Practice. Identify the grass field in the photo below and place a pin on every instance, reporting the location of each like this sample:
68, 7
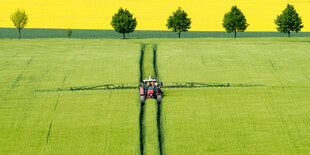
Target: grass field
65, 122
271, 118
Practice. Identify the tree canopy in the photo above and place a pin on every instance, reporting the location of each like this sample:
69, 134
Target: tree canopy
289, 21
235, 21
123, 22
20, 20
69, 33
179, 21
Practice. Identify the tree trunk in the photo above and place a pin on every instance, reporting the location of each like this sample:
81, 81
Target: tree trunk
289, 34
124, 37
235, 34
179, 34
18, 33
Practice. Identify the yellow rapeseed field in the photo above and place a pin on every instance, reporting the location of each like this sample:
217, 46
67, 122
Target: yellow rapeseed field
206, 15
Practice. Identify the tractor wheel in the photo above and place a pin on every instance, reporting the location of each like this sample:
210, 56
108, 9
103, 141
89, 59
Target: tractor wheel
142, 99
158, 98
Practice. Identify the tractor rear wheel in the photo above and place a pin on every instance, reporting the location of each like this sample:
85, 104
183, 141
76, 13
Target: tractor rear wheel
142, 99
158, 98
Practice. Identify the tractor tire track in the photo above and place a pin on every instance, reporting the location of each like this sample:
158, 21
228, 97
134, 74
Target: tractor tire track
142, 46
49, 132
14, 84
202, 60
55, 109
271, 63
159, 128
160, 135
19, 76
141, 114
141, 125
155, 60
159, 120
56, 105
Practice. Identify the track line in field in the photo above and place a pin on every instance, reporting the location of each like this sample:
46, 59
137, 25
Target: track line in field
14, 84
155, 60
141, 114
141, 126
142, 46
142, 105
159, 128
19, 76
49, 132
202, 60
57, 102
271, 63
159, 122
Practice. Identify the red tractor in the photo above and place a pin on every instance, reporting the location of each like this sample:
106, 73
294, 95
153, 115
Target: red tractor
150, 88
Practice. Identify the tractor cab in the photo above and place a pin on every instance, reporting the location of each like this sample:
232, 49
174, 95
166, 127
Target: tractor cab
150, 88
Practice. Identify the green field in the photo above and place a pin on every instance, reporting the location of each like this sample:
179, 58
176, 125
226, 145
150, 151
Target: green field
65, 122
31, 33
266, 111
272, 119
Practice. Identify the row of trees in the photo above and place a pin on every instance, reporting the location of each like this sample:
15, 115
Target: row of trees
234, 21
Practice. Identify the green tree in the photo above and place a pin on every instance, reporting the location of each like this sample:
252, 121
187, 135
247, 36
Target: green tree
179, 22
20, 20
69, 33
289, 21
124, 22
235, 21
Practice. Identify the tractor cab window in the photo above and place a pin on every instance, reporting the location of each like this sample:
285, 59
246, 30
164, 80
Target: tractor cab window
149, 85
